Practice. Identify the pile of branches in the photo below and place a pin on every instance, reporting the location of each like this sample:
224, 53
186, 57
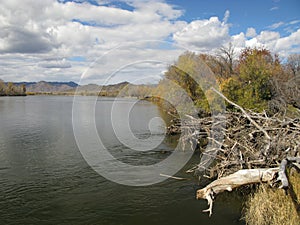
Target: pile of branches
244, 140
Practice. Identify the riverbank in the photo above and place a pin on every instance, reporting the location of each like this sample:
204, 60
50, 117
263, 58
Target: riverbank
13, 95
248, 141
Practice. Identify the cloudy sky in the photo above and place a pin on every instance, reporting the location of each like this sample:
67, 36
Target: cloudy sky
101, 41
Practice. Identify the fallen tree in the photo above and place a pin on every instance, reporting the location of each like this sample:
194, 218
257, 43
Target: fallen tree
246, 177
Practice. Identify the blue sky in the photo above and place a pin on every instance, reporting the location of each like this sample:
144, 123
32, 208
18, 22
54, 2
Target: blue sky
133, 40
259, 14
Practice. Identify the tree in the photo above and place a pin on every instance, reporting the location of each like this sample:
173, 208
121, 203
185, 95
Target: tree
251, 87
23, 89
2, 88
227, 59
294, 63
193, 74
10, 90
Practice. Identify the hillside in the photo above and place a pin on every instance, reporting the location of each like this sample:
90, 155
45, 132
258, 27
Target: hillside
69, 88
43, 86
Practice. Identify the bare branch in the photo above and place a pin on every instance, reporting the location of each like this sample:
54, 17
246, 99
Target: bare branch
244, 112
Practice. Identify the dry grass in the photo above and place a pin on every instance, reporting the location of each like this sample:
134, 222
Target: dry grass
271, 206
295, 181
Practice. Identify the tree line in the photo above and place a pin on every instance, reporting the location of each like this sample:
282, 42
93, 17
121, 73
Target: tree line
256, 79
10, 89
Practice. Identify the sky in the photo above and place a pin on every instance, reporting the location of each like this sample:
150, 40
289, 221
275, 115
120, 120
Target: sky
103, 42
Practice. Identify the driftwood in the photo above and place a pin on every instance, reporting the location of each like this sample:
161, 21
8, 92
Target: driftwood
282, 170
244, 145
246, 177
251, 140
268, 139
256, 148
173, 177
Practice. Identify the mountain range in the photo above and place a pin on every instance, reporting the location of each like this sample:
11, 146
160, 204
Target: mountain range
56, 87
43, 86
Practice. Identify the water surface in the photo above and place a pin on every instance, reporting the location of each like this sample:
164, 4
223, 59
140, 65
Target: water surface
45, 180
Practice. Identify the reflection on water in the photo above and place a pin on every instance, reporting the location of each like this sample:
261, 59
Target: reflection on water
44, 179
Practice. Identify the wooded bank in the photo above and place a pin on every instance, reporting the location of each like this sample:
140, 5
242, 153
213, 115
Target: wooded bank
11, 89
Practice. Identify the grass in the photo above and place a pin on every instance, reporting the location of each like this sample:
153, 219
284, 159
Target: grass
271, 206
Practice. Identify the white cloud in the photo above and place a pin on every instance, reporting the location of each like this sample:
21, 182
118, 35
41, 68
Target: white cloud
55, 21
164, 10
226, 16
48, 29
55, 63
276, 25
38, 39
274, 8
270, 40
238, 41
19, 40
268, 36
288, 42
204, 35
294, 22
251, 32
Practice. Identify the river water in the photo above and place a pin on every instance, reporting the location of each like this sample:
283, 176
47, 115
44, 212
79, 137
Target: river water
44, 178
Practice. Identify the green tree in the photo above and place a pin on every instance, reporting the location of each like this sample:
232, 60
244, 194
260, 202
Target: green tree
191, 73
251, 86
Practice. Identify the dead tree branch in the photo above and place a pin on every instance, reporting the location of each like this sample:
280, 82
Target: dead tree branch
282, 177
250, 140
245, 113
256, 148
245, 177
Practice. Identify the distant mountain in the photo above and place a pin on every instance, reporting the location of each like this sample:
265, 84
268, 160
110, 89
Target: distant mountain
107, 90
54, 83
70, 83
26, 83
59, 87
43, 86
69, 88
89, 88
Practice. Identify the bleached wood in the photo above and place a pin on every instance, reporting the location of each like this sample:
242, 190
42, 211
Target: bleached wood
237, 179
245, 177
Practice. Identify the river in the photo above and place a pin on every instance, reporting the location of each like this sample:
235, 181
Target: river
44, 178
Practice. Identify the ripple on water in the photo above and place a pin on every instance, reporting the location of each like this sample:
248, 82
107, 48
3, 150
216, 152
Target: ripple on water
45, 180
